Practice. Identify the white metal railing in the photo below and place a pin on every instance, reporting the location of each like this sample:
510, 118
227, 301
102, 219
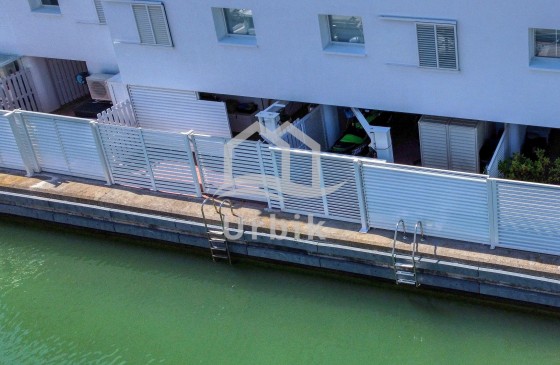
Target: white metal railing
232, 168
120, 114
18, 92
500, 154
155, 160
453, 205
64, 145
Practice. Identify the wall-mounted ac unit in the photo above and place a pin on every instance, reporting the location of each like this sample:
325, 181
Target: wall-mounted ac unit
98, 88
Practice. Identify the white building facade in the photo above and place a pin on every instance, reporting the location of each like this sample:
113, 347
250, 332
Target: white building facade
289, 51
184, 77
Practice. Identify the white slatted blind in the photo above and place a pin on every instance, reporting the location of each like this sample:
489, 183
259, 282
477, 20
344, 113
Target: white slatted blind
463, 146
426, 45
100, 11
178, 111
446, 46
152, 25
433, 142
437, 46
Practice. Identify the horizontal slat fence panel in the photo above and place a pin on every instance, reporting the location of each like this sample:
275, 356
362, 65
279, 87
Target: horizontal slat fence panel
147, 159
178, 111
528, 216
320, 184
10, 155
231, 168
126, 157
171, 161
299, 176
449, 205
64, 145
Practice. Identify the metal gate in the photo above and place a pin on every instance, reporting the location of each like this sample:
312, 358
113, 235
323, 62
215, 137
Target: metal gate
155, 160
234, 168
320, 184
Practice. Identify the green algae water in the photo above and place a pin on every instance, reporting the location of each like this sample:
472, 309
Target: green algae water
69, 298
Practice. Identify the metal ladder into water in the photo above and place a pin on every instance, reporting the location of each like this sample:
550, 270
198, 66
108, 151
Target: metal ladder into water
217, 240
405, 265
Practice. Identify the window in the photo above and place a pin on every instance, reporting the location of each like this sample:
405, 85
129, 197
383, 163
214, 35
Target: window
45, 6
342, 34
547, 43
437, 46
346, 29
235, 26
239, 21
100, 11
151, 22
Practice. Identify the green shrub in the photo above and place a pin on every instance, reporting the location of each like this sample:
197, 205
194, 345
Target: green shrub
540, 169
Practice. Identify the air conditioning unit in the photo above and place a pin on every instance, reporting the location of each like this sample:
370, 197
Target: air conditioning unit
98, 88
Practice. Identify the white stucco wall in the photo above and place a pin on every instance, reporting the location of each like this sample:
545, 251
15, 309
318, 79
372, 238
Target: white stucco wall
73, 34
495, 81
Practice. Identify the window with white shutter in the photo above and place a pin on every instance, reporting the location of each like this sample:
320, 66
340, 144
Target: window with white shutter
152, 24
100, 11
437, 46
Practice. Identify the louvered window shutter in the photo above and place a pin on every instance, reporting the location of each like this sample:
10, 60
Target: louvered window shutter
446, 46
152, 24
437, 46
100, 11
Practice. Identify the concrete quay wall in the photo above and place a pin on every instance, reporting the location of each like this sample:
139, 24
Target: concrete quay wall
264, 246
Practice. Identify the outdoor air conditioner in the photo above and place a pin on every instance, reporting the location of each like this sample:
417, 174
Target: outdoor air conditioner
98, 88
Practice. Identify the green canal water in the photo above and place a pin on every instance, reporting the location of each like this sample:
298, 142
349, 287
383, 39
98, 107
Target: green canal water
69, 298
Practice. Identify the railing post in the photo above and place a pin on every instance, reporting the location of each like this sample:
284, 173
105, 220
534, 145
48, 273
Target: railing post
23, 141
263, 174
147, 158
192, 138
101, 152
361, 195
493, 212
278, 178
192, 164
316, 160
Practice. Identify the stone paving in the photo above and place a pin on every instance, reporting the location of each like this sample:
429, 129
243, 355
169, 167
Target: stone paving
96, 193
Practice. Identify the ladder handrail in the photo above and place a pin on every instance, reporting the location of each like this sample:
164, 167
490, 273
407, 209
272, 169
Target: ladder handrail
202, 210
415, 244
395, 238
230, 204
